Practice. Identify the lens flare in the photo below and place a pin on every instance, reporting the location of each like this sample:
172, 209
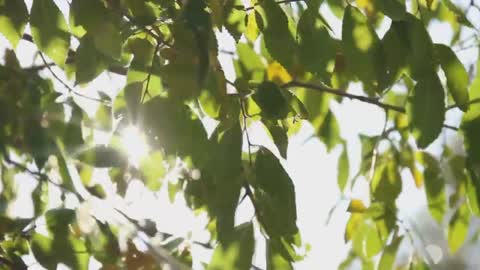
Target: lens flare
134, 144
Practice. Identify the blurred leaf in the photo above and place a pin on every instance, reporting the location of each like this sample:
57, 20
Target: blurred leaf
237, 253
387, 261
275, 260
434, 186
458, 228
386, 184
102, 157
40, 197
50, 30
343, 169
356, 206
457, 76
97, 191
153, 169
13, 19
329, 131
88, 62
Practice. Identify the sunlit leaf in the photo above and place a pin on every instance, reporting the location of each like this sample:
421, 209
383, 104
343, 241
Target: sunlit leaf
434, 186
237, 253
13, 19
457, 76
50, 31
458, 228
387, 261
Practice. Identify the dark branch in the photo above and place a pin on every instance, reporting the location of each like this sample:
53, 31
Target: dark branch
343, 93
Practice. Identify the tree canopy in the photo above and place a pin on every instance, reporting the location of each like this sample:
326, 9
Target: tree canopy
289, 67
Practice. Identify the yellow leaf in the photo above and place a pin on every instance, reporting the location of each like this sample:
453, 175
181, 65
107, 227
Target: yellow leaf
252, 27
356, 206
352, 226
417, 176
277, 73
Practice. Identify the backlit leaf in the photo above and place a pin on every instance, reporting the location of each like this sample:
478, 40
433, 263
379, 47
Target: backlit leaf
13, 19
458, 228
427, 110
50, 31
237, 253
457, 76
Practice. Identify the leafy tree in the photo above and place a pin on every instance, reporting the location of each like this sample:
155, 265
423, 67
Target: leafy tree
289, 68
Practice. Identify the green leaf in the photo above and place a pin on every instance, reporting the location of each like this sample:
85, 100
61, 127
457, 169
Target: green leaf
362, 49
251, 62
223, 170
270, 99
387, 261
458, 228
434, 186
427, 110
58, 221
329, 131
275, 196
153, 170
86, 15
457, 76
103, 244
343, 169
460, 15
237, 253
89, 63
471, 125
13, 19
40, 198
279, 136
396, 49
395, 9
107, 40
51, 251
97, 191
420, 47
50, 31
386, 184
275, 259
316, 46
42, 249
102, 157
278, 39
67, 181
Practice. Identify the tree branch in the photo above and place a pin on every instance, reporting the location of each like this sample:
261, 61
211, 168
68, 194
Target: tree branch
258, 3
344, 93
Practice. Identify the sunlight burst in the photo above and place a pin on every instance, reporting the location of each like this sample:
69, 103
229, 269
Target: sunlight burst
135, 144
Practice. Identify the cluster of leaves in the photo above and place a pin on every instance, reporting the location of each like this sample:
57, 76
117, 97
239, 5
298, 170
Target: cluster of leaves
168, 51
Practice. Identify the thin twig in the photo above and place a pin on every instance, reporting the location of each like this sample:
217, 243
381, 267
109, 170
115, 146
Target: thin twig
470, 102
69, 88
344, 93
150, 72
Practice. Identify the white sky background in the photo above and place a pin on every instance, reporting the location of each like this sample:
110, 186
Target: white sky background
313, 171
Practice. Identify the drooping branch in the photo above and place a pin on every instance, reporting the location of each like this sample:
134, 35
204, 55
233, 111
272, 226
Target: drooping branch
344, 93
259, 2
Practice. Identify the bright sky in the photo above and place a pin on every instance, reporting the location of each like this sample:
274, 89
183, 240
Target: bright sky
312, 169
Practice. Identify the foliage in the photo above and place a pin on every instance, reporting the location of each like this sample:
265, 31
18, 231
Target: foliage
289, 69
